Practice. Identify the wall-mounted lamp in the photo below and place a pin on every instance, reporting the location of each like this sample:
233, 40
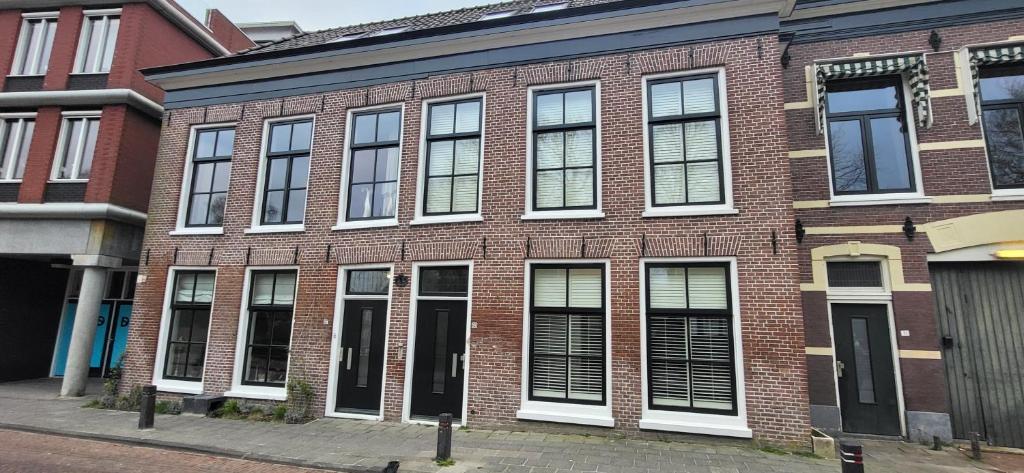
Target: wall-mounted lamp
1009, 254
935, 40
401, 280
800, 231
909, 229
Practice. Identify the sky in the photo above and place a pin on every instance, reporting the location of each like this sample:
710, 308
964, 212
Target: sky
319, 14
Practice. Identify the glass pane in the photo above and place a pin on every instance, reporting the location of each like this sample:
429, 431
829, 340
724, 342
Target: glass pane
579, 106
365, 331
262, 288
216, 213
368, 281
667, 355
262, 328
549, 189
384, 199
95, 36
296, 205
712, 386
302, 133
257, 363
669, 184
85, 167
277, 369
549, 368
550, 333
441, 156
848, 168
585, 381
181, 325
225, 143
549, 150
702, 182
205, 141
204, 177
1005, 146
452, 281
585, 288
1009, 87
667, 142
177, 359
442, 119
72, 138
854, 274
184, 287
360, 202
387, 164
363, 165
33, 35
440, 352
709, 339
439, 194
666, 99
200, 325
549, 109
667, 287
549, 373
196, 353
366, 128
274, 207
198, 213
701, 141
579, 148
44, 58
221, 177
8, 147
579, 187
892, 165
862, 358
282, 329
284, 290
300, 171
204, 288
549, 287
869, 96
467, 156
388, 126
110, 43
278, 173
464, 198
115, 285
707, 288
280, 137
28, 130
468, 117
699, 96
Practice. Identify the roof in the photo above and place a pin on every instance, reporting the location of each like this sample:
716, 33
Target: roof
418, 22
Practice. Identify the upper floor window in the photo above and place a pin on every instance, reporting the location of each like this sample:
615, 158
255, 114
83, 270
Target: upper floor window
77, 147
684, 120
211, 171
98, 41
286, 172
34, 45
15, 139
373, 165
869, 142
1002, 112
453, 158
564, 162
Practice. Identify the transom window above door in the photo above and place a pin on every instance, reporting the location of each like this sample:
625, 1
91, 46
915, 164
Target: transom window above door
373, 165
564, 164
1002, 114
452, 177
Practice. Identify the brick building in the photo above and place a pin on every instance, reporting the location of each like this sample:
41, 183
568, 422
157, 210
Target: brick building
572, 213
79, 130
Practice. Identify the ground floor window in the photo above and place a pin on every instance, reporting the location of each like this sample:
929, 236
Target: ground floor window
189, 324
269, 329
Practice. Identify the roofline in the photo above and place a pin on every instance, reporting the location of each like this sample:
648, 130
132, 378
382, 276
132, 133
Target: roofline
270, 24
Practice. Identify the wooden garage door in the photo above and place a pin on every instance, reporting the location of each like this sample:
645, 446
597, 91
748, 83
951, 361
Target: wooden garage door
980, 307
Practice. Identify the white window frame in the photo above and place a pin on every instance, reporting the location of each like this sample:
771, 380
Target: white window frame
567, 412
83, 40
24, 40
421, 175
255, 224
58, 157
9, 177
339, 318
260, 392
684, 210
973, 105
186, 185
346, 164
694, 422
177, 385
597, 212
896, 198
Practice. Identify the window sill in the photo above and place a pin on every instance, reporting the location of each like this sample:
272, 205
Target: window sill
10, 181
358, 224
689, 211
26, 75
1007, 195
566, 413
276, 229
433, 220
66, 181
704, 428
562, 214
197, 231
89, 73
895, 199
179, 387
253, 392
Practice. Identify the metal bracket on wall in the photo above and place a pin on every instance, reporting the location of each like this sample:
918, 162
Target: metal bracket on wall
403, 250
147, 257
209, 258
643, 245
583, 248
175, 255
295, 256
527, 256
327, 257
775, 243
248, 253
800, 231
705, 243
485, 247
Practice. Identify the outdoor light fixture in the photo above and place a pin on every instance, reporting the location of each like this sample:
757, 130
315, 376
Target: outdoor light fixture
1009, 254
935, 41
401, 280
909, 229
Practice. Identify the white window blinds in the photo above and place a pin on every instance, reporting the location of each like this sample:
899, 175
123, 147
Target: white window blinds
565, 175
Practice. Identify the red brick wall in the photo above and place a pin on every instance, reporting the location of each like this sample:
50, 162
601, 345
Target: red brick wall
40, 155
118, 174
65, 48
10, 24
772, 331
226, 32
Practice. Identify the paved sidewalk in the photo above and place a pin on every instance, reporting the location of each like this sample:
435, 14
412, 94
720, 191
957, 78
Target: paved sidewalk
349, 445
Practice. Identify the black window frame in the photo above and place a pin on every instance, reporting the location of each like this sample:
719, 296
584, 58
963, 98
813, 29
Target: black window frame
454, 137
1015, 69
376, 146
865, 117
216, 161
193, 307
426, 293
688, 313
274, 311
682, 119
348, 281
601, 312
536, 130
289, 156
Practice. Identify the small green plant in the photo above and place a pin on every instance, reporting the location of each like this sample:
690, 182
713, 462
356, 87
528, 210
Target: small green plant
109, 398
299, 401
773, 450
229, 410
445, 462
130, 401
93, 404
167, 407
279, 412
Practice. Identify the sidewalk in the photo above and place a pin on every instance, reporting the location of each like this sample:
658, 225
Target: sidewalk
363, 446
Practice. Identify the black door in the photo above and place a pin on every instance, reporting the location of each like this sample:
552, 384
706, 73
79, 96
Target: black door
439, 358
867, 381
361, 357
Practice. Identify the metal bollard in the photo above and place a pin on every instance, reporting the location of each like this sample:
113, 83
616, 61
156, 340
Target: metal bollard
391, 468
852, 457
147, 407
444, 437
975, 445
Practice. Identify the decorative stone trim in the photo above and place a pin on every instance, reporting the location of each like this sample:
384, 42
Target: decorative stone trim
366, 254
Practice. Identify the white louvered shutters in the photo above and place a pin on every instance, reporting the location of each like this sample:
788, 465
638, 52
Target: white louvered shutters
689, 343
568, 334
453, 158
565, 174
685, 143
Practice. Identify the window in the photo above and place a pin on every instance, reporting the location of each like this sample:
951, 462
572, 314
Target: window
287, 172
684, 125
34, 46
564, 149
365, 282
549, 7
497, 14
99, 39
269, 330
211, 171
78, 145
868, 137
189, 325
373, 167
854, 274
1002, 112
453, 158
690, 364
444, 281
567, 339
15, 140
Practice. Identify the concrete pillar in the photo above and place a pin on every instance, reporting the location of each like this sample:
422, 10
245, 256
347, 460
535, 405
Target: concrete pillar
90, 298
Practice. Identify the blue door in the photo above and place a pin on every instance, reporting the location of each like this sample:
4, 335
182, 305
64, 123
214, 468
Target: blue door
99, 341
120, 338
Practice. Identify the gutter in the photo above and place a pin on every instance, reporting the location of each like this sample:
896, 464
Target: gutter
83, 97
73, 211
189, 24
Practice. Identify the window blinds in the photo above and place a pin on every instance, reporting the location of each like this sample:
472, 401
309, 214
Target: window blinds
684, 136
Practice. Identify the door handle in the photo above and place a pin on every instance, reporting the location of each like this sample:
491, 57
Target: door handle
455, 364
348, 362
839, 368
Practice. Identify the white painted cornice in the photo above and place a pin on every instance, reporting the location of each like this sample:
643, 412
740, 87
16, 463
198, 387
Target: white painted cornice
72, 210
82, 97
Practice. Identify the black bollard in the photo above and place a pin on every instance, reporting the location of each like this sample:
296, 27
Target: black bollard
975, 445
936, 443
444, 437
147, 407
391, 468
852, 457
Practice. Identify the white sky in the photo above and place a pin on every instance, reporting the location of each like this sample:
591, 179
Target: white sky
319, 14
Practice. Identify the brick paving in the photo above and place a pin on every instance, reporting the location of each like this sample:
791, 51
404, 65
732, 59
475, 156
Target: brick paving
363, 446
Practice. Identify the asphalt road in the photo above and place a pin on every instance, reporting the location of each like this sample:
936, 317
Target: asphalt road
38, 453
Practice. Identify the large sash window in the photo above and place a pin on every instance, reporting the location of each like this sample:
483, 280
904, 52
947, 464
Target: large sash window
564, 149
269, 330
189, 324
453, 158
1001, 90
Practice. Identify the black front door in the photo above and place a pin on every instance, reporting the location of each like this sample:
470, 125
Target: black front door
439, 359
361, 356
864, 368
